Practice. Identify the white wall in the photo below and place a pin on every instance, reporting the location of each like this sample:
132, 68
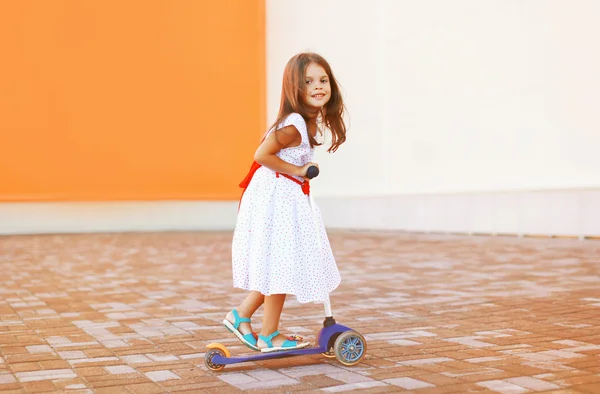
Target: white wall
465, 115
118, 216
452, 96
543, 213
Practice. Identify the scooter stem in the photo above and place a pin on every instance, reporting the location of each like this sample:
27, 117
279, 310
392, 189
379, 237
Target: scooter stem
329, 320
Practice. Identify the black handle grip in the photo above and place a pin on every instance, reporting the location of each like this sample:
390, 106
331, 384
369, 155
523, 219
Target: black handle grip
312, 172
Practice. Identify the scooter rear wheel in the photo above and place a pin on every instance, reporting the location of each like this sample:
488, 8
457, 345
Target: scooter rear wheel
350, 347
208, 357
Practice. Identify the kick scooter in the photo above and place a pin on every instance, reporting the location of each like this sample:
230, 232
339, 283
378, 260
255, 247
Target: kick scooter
333, 340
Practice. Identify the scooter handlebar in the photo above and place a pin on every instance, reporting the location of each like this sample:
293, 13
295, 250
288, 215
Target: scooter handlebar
312, 172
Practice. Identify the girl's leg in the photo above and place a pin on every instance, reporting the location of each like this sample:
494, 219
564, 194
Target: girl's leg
250, 304
272, 313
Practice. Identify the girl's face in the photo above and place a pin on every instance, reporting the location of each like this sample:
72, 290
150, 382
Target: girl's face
318, 89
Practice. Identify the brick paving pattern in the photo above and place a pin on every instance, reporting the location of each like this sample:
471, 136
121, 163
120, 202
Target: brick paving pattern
132, 313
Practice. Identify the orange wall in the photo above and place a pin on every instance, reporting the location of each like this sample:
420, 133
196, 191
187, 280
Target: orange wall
129, 100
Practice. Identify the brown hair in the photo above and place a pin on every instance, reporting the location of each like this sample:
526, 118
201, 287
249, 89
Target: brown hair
292, 98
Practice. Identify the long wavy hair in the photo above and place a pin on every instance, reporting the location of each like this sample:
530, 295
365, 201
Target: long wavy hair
294, 90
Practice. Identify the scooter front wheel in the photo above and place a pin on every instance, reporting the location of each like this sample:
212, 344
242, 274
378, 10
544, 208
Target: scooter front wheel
350, 347
208, 359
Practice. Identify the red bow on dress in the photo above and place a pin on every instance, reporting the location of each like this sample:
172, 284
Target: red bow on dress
255, 166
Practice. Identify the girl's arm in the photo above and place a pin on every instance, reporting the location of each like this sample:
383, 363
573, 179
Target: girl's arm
283, 138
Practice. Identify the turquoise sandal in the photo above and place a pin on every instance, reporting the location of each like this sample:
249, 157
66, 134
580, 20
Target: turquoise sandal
286, 345
247, 339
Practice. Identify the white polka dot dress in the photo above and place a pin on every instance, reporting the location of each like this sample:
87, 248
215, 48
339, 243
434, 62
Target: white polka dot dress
279, 247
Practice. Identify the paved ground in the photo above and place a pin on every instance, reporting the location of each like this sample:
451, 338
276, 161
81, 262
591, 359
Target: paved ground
132, 313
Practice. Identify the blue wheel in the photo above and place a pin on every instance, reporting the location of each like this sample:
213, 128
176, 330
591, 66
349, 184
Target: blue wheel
350, 347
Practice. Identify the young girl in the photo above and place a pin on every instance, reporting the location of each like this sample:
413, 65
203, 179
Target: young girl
280, 245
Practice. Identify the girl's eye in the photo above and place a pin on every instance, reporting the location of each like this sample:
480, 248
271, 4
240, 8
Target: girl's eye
308, 82
324, 81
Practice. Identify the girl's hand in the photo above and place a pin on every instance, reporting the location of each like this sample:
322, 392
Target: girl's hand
302, 170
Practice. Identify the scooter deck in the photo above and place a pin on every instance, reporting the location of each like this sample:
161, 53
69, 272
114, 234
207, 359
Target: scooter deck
324, 336
217, 359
